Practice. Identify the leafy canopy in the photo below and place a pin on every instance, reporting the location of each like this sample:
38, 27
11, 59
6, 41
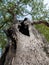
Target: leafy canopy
10, 8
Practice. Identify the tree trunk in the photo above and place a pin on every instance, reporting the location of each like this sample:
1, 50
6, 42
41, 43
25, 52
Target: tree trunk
27, 46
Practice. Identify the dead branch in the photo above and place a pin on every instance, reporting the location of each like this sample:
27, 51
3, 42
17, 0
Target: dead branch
40, 22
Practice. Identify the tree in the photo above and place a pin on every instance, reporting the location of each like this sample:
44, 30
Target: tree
9, 9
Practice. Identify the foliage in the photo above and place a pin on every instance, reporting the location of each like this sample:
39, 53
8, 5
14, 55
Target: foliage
43, 29
10, 8
3, 39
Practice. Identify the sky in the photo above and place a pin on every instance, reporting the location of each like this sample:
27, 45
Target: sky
46, 2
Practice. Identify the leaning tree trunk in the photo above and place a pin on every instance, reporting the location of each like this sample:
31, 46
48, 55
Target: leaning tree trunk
27, 46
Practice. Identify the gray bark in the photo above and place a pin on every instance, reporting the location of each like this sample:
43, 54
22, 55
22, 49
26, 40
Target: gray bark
31, 50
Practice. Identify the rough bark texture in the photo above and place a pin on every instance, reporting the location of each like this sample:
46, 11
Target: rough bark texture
32, 49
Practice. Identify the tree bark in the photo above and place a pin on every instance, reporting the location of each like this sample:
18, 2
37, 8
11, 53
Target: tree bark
27, 49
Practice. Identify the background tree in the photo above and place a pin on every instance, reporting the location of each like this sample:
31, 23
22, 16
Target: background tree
19, 8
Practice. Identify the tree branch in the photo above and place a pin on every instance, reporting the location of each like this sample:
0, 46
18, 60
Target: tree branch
40, 22
2, 25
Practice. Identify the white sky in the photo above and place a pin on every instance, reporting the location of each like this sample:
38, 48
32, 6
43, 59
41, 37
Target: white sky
46, 2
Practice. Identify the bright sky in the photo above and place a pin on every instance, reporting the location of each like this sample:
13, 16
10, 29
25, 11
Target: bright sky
46, 2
